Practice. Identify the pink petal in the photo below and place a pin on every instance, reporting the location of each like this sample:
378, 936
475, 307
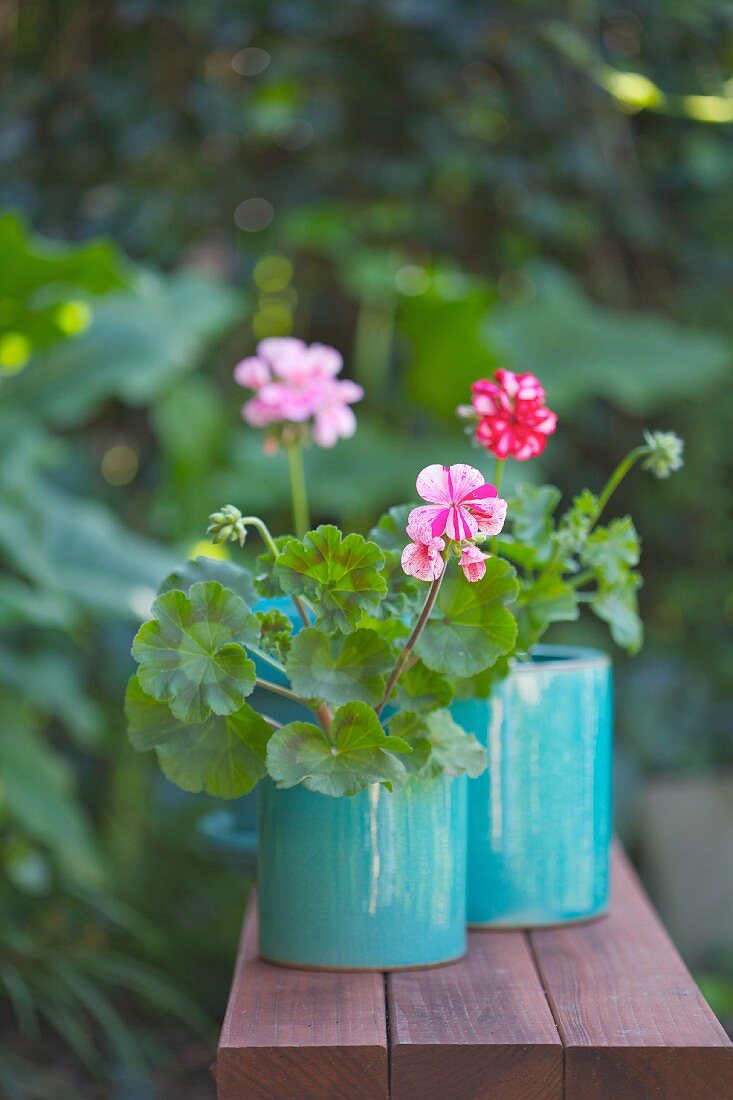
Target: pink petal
473, 563
491, 516
461, 524
280, 348
432, 516
333, 422
251, 373
418, 561
463, 480
348, 391
322, 361
432, 484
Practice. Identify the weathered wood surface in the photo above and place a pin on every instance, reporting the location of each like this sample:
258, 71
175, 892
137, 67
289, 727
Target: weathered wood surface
632, 1021
602, 1011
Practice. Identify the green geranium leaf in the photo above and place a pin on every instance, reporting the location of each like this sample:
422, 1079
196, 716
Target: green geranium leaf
471, 626
612, 551
226, 573
422, 689
403, 591
547, 600
342, 577
223, 755
191, 654
339, 668
268, 584
439, 745
355, 753
392, 630
619, 607
276, 633
482, 684
530, 511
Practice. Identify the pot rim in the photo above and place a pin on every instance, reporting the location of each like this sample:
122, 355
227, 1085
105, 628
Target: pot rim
561, 658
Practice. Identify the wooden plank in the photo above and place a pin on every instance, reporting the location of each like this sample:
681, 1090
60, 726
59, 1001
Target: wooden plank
478, 1030
301, 1035
634, 1024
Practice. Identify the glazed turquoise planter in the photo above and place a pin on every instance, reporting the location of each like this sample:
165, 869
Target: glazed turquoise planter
540, 818
376, 881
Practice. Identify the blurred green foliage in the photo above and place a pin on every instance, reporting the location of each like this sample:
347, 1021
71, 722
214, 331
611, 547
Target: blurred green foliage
435, 189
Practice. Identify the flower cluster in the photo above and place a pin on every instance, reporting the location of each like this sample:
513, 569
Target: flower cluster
296, 383
461, 506
513, 420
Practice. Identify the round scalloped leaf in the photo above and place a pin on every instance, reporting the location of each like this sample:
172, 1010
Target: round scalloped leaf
227, 573
339, 668
342, 577
191, 654
223, 755
422, 689
470, 626
354, 754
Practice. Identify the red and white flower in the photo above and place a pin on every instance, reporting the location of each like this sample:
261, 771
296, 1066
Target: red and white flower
513, 418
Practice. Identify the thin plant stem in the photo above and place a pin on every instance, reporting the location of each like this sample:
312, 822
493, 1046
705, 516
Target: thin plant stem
278, 689
268, 658
498, 476
271, 721
414, 637
299, 493
617, 477
264, 532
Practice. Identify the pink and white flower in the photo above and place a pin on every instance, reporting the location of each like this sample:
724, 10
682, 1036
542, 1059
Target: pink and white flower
423, 557
460, 505
294, 383
473, 563
513, 418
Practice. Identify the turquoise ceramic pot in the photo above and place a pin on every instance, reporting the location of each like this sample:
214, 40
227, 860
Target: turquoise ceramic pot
372, 882
540, 817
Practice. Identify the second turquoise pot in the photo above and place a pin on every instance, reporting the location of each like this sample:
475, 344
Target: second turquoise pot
540, 818
372, 882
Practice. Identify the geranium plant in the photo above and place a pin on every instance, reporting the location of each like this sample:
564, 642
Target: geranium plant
373, 637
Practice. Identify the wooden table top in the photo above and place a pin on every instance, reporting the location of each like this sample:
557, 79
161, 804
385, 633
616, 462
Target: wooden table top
598, 1011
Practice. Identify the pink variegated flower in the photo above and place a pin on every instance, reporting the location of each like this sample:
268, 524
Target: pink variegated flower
295, 383
513, 418
423, 557
461, 503
473, 563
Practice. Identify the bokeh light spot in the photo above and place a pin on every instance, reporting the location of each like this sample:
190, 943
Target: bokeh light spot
252, 215
73, 317
119, 464
205, 549
250, 61
412, 280
15, 351
272, 273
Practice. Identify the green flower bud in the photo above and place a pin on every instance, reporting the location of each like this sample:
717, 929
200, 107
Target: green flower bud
227, 525
664, 453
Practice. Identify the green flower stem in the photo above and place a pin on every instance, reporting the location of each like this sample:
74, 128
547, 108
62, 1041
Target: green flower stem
581, 578
264, 532
278, 689
498, 476
272, 721
415, 636
301, 515
617, 477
